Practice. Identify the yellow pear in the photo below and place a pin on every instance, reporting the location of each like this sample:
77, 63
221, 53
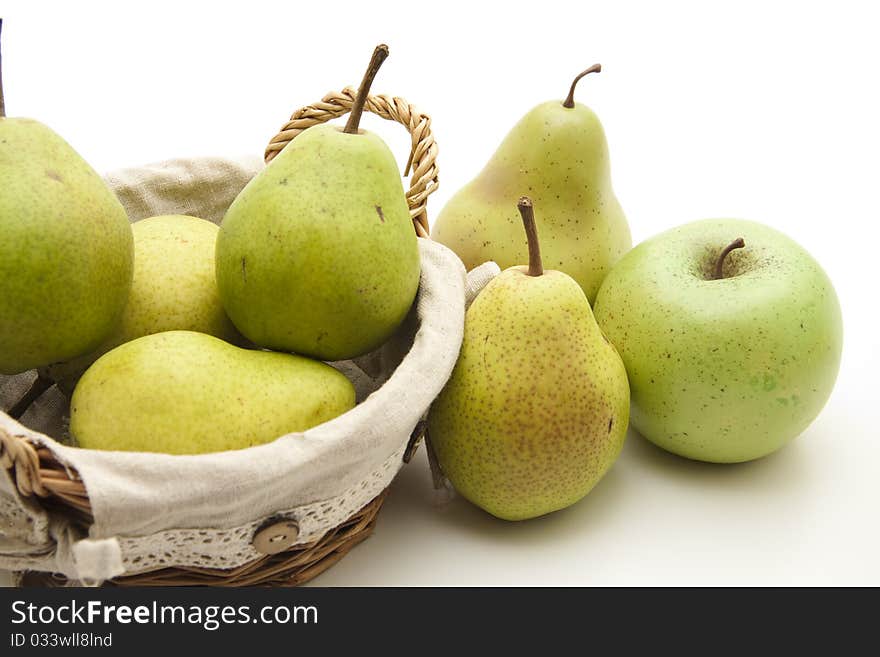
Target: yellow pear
558, 153
182, 392
536, 409
173, 289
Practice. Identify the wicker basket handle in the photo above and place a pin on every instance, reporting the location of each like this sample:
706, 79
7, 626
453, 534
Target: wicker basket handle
423, 155
18, 455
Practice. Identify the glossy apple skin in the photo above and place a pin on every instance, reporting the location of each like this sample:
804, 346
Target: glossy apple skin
725, 370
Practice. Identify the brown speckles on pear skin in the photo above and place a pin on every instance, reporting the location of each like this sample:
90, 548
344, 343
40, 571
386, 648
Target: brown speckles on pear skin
582, 226
536, 410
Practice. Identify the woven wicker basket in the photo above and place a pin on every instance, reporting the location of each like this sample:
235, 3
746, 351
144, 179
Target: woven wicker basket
58, 489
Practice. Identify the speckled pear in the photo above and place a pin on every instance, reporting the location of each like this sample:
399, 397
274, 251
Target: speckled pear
182, 392
558, 153
317, 254
536, 409
173, 289
65, 249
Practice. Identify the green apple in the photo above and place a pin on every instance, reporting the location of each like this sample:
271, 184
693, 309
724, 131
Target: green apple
731, 349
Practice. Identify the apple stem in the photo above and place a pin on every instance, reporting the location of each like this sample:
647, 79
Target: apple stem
738, 243
354, 118
38, 387
569, 101
527, 210
2, 105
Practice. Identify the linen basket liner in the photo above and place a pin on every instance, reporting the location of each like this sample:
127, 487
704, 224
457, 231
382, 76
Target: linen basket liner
157, 510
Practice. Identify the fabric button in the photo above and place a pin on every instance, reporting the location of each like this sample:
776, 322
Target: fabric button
276, 537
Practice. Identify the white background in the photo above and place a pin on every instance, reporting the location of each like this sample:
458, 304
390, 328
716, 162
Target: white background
763, 110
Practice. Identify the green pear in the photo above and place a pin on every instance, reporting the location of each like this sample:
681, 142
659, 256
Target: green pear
173, 289
65, 251
731, 334
182, 392
317, 254
558, 153
536, 409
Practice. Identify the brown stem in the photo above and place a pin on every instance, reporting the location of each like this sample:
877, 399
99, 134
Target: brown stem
569, 101
2, 105
38, 387
437, 476
527, 210
354, 118
738, 243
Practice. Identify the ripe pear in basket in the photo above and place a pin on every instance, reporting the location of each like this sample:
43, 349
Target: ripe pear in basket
173, 289
317, 254
278, 513
182, 392
65, 252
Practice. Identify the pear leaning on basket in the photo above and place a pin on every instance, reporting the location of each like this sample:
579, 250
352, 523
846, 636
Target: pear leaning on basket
536, 410
317, 254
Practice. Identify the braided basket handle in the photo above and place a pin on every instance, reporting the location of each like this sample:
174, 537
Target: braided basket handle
423, 155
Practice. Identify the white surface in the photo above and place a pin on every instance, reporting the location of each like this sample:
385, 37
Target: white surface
761, 110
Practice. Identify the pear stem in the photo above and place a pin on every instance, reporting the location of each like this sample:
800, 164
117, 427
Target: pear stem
38, 387
354, 118
2, 104
738, 243
569, 101
527, 210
